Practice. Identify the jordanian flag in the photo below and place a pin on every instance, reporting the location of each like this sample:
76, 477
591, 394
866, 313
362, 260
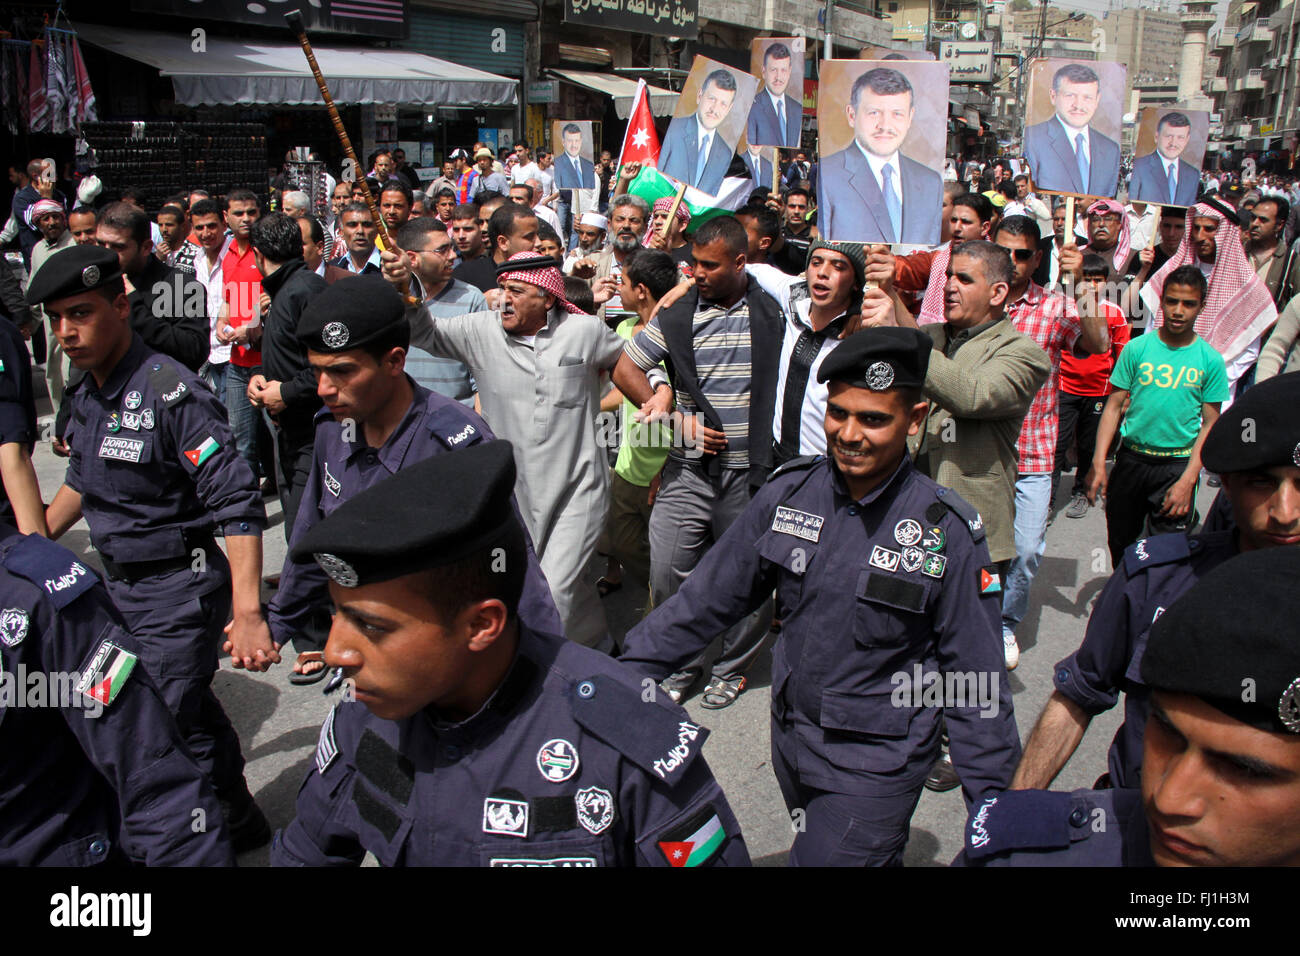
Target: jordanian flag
198, 456
650, 184
697, 848
107, 673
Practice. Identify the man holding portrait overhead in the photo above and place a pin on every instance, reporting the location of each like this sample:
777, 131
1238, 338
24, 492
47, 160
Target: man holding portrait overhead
870, 192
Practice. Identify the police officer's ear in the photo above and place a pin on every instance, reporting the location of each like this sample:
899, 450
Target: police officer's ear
916, 412
481, 623
395, 360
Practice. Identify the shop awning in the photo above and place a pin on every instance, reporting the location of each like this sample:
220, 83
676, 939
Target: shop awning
621, 89
233, 73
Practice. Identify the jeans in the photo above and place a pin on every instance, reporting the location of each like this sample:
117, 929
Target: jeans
243, 416
1033, 501
215, 375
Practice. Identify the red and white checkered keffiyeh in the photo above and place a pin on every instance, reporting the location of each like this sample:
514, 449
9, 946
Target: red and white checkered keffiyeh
663, 205
932, 303
1238, 308
43, 207
1124, 246
546, 278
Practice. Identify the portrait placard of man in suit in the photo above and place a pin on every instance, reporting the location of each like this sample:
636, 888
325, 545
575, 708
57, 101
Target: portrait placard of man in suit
699, 146
1066, 152
870, 191
776, 117
573, 164
1171, 172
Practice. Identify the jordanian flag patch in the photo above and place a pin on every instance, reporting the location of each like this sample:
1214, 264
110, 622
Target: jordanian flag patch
103, 678
990, 582
206, 450
696, 841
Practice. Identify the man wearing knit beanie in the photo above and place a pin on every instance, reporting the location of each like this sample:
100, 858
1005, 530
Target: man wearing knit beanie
816, 307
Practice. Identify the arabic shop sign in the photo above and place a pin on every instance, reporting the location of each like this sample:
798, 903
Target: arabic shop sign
970, 62
665, 18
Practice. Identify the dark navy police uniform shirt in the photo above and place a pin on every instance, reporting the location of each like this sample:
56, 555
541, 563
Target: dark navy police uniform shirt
1155, 573
17, 405
568, 764
156, 466
74, 771
872, 593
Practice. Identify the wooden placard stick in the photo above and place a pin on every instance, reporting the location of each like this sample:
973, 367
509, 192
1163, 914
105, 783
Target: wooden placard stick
672, 210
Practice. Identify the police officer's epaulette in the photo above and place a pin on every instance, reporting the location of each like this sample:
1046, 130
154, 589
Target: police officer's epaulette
1156, 550
796, 464
54, 569
1019, 820
643, 726
452, 428
949, 500
165, 379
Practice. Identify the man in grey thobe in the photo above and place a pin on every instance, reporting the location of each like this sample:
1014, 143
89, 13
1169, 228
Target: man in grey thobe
537, 364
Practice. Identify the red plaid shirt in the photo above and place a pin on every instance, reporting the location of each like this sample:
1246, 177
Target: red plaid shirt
1051, 320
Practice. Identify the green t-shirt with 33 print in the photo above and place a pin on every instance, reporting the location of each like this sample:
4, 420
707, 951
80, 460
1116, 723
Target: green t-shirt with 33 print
1167, 387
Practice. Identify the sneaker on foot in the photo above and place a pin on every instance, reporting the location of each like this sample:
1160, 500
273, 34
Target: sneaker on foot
1078, 507
1011, 650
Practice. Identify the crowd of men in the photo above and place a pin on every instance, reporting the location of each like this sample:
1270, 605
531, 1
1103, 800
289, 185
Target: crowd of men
486, 402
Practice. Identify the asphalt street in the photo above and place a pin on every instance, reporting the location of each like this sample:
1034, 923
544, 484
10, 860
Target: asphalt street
278, 723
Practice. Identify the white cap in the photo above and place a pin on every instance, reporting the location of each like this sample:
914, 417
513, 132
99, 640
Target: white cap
594, 219
89, 188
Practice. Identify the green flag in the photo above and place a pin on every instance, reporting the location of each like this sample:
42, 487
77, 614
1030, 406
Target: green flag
651, 185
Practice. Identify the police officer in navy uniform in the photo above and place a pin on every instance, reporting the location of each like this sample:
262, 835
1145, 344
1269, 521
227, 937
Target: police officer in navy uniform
154, 469
376, 421
20, 492
1220, 781
471, 739
97, 753
1255, 446
886, 592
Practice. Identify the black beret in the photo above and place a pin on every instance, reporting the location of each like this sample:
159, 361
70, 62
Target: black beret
72, 271
434, 513
879, 358
1259, 430
1230, 641
350, 313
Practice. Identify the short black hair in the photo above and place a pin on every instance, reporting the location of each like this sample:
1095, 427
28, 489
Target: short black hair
1283, 207
1020, 178
316, 230
446, 192
123, 217
1173, 212
995, 261
397, 186
1075, 73
135, 193
1006, 188
777, 51
578, 292
1188, 275
354, 206
205, 207
767, 221
883, 81
798, 191
416, 232
277, 237
571, 128
652, 268
466, 210
494, 573
503, 221
545, 232
242, 195
722, 79
725, 228
979, 204
524, 186
1178, 120
1018, 226
175, 212
1094, 266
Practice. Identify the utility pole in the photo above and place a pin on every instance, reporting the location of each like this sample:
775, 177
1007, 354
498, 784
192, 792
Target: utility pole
830, 9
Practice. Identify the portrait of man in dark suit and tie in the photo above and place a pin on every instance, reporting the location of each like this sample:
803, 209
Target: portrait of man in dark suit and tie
1163, 176
758, 163
1066, 153
870, 191
776, 116
698, 147
573, 170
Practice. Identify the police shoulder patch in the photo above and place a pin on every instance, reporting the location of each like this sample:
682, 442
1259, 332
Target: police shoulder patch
165, 379
327, 747
1156, 550
1019, 820
801, 463
645, 728
452, 427
51, 567
963, 509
